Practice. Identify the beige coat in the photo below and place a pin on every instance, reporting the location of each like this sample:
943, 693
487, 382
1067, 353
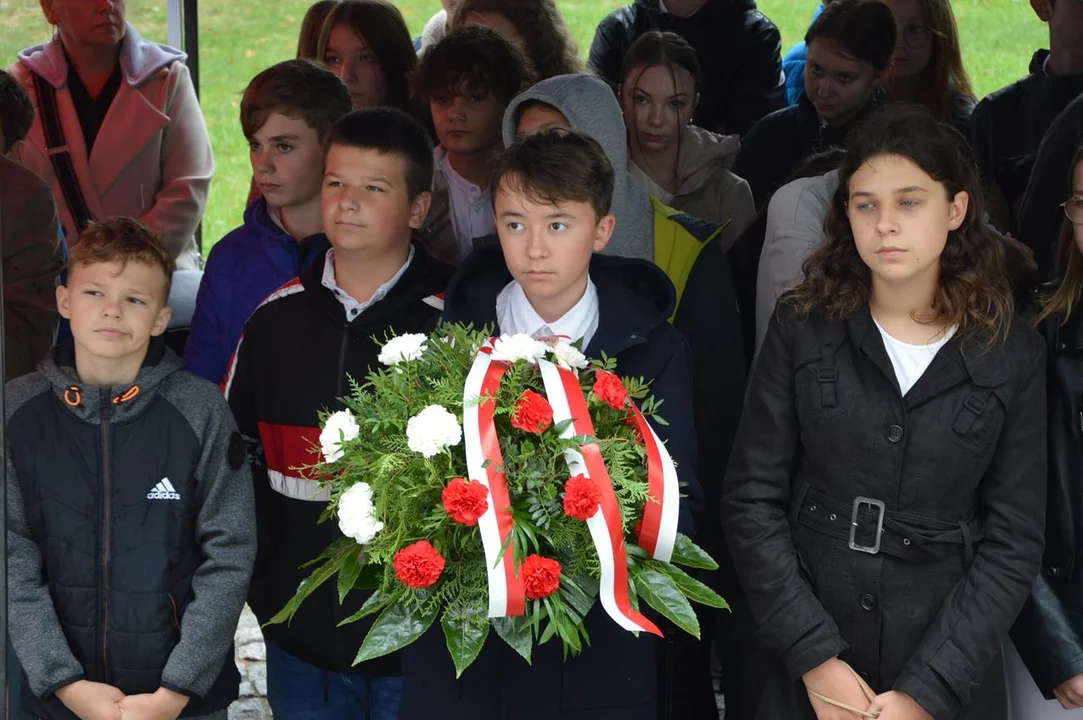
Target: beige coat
708, 190
152, 157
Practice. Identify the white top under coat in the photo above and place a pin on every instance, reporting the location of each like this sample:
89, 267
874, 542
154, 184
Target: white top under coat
911, 361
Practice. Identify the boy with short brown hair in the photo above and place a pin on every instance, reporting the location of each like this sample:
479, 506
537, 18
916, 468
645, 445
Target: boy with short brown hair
552, 193
130, 525
299, 350
287, 112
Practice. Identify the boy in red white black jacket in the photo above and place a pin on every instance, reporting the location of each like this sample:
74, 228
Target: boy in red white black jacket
296, 356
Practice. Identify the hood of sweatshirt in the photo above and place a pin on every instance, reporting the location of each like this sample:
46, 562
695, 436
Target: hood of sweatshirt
703, 154
435, 31
90, 403
139, 59
591, 108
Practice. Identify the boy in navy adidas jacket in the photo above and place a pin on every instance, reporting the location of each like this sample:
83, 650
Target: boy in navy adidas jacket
296, 356
131, 535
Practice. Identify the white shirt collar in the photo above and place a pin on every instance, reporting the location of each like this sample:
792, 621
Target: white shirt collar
352, 306
515, 314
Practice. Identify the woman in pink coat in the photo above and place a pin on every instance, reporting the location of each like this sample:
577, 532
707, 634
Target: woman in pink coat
128, 115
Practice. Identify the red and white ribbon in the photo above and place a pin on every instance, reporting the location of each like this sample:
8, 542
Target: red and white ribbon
485, 464
658, 533
606, 527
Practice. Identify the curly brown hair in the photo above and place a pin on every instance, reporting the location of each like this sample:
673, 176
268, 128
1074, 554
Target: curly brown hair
549, 49
973, 290
477, 57
123, 240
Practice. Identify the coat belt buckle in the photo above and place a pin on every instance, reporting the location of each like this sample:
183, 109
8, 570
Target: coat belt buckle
873, 549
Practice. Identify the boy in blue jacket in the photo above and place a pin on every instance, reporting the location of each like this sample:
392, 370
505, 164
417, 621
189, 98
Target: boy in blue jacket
286, 113
552, 194
130, 523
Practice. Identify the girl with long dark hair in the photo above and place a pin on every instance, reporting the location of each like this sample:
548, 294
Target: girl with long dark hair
885, 500
685, 167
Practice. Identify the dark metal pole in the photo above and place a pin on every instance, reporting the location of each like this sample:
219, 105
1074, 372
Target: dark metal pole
5, 703
191, 39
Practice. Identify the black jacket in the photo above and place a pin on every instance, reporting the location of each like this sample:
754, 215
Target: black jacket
1041, 217
1008, 125
739, 52
616, 677
959, 464
131, 533
33, 256
776, 146
1049, 629
295, 356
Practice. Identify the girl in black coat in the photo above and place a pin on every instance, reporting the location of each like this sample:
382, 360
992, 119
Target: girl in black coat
849, 55
884, 503
1049, 630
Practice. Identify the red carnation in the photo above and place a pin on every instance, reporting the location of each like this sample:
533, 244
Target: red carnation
609, 389
533, 413
581, 498
419, 565
465, 501
541, 576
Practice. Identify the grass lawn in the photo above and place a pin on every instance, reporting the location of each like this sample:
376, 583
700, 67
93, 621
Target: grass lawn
238, 38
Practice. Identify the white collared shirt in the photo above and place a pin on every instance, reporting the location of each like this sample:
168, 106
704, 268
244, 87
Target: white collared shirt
471, 209
515, 315
352, 306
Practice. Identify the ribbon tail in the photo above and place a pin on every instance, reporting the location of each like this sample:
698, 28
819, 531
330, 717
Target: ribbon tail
485, 465
658, 533
606, 526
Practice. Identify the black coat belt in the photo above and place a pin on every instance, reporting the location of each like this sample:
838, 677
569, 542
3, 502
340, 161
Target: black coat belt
868, 527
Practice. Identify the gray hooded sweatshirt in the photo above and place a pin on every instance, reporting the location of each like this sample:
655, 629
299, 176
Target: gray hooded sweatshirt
592, 109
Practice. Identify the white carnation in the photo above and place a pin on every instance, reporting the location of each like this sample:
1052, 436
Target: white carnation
339, 429
432, 430
513, 348
568, 356
403, 348
357, 515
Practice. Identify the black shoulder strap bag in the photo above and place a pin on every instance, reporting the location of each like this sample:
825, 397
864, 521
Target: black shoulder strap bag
59, 153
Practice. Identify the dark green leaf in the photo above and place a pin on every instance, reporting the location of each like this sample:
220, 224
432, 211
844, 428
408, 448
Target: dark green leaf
309, 585
516, 633
661, 593
580, 593
633, 594
375, 603
687, 553
465, 632
347, 576
634, 551
398, 626
338, 547
370, 577
693, 589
